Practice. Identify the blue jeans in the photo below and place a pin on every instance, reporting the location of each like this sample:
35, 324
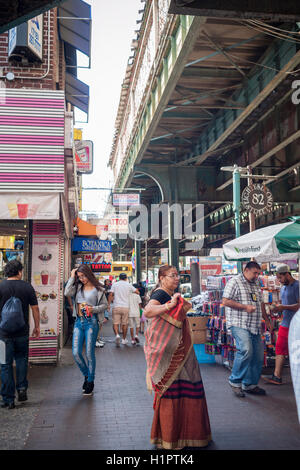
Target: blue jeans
85, 329
15, 349
248, 359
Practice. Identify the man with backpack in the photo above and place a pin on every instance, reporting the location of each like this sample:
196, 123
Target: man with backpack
15, 297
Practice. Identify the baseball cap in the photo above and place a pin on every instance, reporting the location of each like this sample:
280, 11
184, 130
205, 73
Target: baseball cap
283, 268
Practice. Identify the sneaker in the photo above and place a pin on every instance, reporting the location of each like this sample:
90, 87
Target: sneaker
100, 344
237, 391
84, 383
256, 391
133, 342
275, 380
22, 395
137, 340
117, 339
124, 341
89, 389
9, 406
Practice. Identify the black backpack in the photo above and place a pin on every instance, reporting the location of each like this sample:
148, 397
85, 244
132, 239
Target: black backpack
12, 316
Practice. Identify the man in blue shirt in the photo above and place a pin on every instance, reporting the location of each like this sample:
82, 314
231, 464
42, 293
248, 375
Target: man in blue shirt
289, 305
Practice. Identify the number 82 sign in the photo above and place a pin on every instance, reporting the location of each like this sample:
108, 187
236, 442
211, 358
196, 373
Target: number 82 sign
257, 199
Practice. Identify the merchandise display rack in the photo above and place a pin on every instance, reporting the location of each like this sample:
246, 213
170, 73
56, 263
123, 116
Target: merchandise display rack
219, 341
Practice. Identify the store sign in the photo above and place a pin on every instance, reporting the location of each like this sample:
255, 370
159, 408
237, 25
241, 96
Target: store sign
84, 156
88, 244
98, 262
124, 200
101, 267
257, 199
35, 35
118, 224
28, 206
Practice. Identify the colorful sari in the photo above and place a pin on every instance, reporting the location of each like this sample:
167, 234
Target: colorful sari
180, 411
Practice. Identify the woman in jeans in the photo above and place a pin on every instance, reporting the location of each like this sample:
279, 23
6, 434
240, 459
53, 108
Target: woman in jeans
89, 306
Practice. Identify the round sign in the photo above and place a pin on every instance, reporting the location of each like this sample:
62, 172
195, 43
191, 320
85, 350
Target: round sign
257, 199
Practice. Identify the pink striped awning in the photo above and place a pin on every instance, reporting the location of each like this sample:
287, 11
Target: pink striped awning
31, 140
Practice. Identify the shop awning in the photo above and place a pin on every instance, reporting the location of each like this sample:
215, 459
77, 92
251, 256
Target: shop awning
75, 25
14, 13
77, 93
85, 228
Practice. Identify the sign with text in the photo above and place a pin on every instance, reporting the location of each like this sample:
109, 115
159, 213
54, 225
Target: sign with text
257, 199
35, 35
118, 224
29, 206
84, 156
90, 244
124, 200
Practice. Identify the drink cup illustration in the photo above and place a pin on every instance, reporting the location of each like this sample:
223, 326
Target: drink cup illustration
37, 278
22, 205
52, 278
32, 210
45, 277
13, 209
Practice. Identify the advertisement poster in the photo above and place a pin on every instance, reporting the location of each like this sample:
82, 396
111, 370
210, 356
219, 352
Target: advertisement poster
29, 206
45, 281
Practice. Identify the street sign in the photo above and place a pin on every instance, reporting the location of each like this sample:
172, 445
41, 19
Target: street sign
257, 199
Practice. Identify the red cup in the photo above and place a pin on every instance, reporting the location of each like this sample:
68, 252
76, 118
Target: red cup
22, 211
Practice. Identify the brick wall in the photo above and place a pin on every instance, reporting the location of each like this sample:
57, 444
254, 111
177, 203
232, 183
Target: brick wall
36, 75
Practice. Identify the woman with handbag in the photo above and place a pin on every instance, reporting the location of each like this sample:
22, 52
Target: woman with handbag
89, 305
180, 411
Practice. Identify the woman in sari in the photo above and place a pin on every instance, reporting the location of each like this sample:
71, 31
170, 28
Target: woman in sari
180, 411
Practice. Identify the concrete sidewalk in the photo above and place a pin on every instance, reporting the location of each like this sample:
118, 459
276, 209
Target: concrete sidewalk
119, 414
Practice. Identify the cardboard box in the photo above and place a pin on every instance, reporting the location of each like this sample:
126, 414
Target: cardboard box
198, 323
199, 336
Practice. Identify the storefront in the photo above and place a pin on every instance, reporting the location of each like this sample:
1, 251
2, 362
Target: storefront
39, 245
95, 253
15, 244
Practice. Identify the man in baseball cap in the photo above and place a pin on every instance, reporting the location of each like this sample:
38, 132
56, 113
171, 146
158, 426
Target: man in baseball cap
289, 295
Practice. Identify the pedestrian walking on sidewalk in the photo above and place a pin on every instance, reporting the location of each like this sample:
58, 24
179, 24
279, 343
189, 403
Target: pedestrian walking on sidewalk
244, 312
89, 305
119, 295
180, 411
16, 339
289, 295
135, 304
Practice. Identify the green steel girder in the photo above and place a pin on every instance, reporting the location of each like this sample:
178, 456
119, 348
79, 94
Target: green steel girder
194, 184
289, 10
280, 54
181, 42
15, 12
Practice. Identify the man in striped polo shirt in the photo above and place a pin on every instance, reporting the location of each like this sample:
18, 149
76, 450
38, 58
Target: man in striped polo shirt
244, 312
